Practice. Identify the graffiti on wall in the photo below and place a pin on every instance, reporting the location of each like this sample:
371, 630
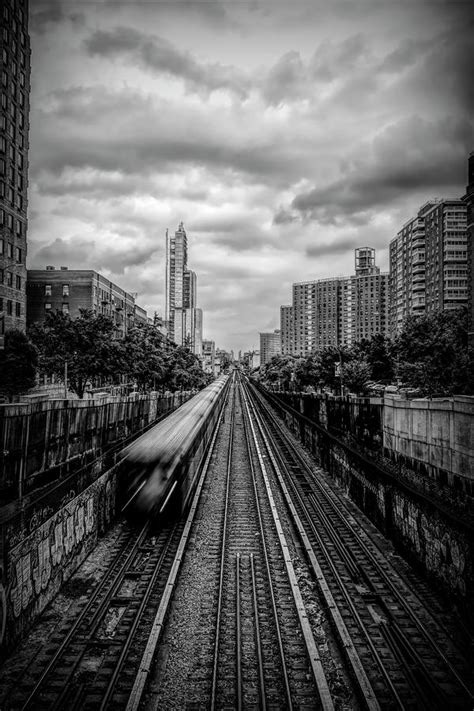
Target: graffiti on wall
46, 558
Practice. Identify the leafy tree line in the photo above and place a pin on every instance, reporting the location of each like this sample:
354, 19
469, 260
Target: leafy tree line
430, 354
85, 347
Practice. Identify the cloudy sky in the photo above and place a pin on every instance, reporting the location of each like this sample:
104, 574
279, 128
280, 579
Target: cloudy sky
283, 135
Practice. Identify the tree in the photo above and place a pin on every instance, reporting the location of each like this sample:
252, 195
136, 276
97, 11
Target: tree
84, 345
144, 356
432, 353
18, 364
356, 375
376, 351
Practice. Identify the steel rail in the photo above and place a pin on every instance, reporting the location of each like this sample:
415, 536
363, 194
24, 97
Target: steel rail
115, 577
222, 558
365, 687
269, 579
238, 661
258, 644
312, 648
146, 662
314, 483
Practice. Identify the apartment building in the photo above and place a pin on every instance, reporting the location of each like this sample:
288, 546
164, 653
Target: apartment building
339, 310
428, 262
270, 345
468, 198
14, 140
70, 290
286, 329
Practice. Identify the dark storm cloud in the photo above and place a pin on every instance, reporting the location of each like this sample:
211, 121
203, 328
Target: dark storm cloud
80, 253
43, 15
337, 247
284, 217
286, 80
159, 55
332, 60
409, 157
131, 134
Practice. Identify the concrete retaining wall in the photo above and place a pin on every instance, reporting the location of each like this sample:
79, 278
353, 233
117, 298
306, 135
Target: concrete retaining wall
58, 486
436, 433
437, 539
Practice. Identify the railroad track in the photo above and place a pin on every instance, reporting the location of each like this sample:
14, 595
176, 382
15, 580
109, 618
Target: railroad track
91, 661
409, 658
97, 661
256, 647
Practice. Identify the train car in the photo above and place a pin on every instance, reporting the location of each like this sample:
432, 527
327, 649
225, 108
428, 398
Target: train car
159, 469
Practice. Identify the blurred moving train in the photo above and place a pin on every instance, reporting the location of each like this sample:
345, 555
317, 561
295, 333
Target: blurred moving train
161, 466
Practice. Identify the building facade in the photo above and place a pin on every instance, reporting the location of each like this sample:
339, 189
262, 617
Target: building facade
468, 198
14, 131
183, 318
270, 345
70, 290
286, 329
428, 262
337, 311
208, 356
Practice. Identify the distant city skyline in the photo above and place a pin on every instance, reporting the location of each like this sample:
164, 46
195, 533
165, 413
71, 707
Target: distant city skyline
283, 136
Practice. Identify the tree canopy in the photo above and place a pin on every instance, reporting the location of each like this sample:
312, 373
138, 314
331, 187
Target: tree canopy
430, 354
83, 346
87, 348
18, 364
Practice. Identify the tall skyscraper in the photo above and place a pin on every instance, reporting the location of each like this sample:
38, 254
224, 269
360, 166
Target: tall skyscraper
15, 100
184, 319
428, 262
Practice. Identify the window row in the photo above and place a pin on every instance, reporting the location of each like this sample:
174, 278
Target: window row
10, 306
11, 131
10, 279
16, 114
48, 289
12, 196
64, 307
6, 219
9, 250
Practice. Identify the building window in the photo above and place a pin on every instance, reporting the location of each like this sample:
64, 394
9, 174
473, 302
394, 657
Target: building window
18, 281
65, 289
9, 308
18, 255
9, 250
47, 290
9, 279
65, 308
1, 246
47, 306
1, 276
17, 309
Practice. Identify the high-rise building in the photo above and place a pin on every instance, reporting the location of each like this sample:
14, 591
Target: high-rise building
428, 262
70, 290
14, 128
208, 356
184, 319
270, 345
286, 328
469, 200
337, 311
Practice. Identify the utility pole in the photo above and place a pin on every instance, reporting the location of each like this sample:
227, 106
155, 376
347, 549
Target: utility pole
65, 379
